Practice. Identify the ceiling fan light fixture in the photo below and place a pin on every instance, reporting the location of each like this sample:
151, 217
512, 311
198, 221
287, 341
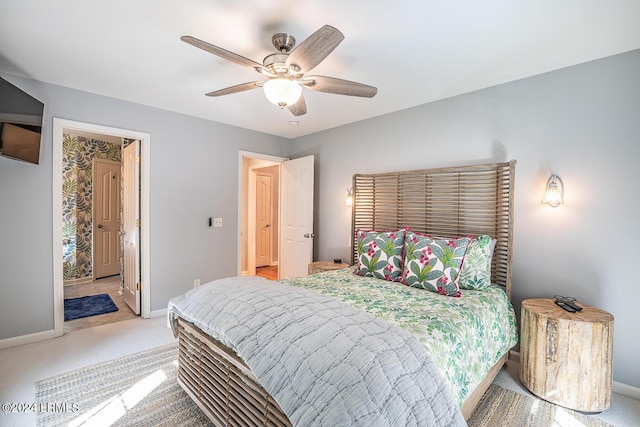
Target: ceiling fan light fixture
285, 69
282, 91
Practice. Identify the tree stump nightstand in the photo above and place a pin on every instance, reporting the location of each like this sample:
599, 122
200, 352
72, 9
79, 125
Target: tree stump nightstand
567, 358
320, 266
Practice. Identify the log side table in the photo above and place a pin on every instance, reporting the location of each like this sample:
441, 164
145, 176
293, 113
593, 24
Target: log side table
567, 358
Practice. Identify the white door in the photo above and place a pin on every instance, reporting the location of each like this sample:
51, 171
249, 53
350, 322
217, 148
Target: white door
131, 225
296, 247
106, 218
264, 209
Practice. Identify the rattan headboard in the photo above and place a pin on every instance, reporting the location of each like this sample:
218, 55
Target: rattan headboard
444, 202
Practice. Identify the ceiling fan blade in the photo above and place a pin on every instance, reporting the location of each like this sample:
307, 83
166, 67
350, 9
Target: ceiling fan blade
339, 86
237, 88
299, 108
315, 48
222, 53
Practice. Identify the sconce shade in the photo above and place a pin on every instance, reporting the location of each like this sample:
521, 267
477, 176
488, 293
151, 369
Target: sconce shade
553, 195
348, 201
282, 91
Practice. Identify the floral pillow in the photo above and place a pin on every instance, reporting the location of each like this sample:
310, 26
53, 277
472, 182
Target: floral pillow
433, 264
476, 271
380, 254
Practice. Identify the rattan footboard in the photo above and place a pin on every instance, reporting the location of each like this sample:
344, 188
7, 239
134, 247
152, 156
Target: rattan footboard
221, 384
226, 390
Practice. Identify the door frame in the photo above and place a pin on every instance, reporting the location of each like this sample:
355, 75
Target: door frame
271, 177
130, 226
257, 156
59, 125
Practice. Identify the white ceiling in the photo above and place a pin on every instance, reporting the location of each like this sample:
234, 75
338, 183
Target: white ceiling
414, 51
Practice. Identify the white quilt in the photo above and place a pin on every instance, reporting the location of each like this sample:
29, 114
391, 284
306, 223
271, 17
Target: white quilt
324, 362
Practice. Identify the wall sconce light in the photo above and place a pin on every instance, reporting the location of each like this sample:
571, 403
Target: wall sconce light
348, 201
553, 195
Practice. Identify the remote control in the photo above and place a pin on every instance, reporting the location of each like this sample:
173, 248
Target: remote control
565, 306
573, 305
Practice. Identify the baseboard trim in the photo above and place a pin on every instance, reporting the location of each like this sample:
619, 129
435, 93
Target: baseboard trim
626, 390
158, 313
79, 281
26, 339
620, 388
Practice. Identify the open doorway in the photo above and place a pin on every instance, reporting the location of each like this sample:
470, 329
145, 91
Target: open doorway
92, 211
260, 211
89, 162
294, 211
266, 221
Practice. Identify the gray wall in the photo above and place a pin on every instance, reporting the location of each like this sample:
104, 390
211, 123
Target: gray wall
582, 123
194, 176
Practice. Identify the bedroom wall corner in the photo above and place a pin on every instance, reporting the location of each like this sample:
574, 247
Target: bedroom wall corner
191, 159
579, 122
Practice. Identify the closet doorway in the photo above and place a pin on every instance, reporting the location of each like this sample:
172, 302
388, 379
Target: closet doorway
259, 211
294, 195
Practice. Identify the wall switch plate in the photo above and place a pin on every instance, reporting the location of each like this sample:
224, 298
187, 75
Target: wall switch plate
217, 222
196, 284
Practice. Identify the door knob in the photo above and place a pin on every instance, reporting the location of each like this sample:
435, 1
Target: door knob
100, 226
309, 236
268, 225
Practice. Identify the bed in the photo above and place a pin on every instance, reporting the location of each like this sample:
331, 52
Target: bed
445, 202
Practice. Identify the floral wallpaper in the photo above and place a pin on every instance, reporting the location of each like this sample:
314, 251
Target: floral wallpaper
77, 192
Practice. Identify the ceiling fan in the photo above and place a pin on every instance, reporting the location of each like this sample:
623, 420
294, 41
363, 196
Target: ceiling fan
285, 70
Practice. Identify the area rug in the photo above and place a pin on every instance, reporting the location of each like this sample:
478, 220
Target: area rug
92, 305
142, 390
502, 407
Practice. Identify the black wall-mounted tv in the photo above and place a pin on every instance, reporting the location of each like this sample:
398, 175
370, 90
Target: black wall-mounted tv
20, 124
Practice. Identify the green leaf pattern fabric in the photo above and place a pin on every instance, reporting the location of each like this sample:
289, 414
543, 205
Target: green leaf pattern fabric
476, 268
433, 264
380, 254
465, 336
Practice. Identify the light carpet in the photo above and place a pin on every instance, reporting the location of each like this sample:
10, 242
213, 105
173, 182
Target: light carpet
141, 389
